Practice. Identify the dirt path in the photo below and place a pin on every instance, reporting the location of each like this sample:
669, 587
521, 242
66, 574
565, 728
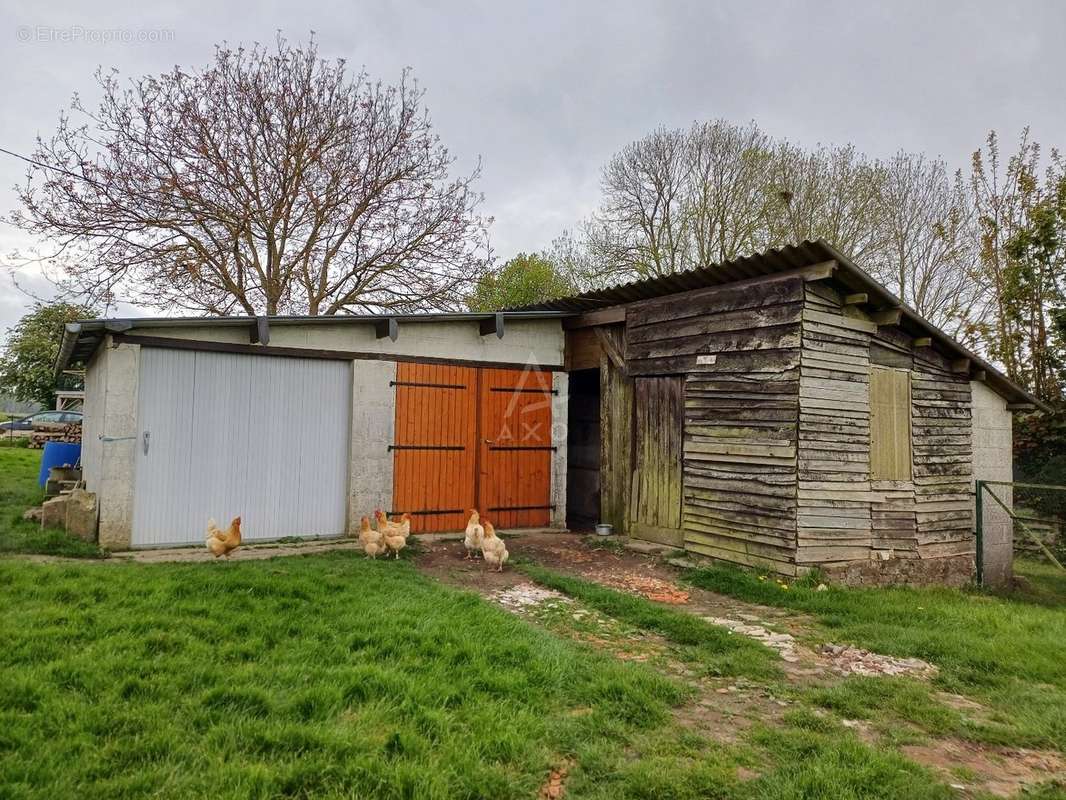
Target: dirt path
724, 708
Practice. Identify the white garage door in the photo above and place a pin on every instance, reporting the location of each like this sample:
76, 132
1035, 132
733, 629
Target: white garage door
259, 437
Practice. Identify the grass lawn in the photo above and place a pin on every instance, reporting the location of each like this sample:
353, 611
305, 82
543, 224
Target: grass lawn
1006, 652
19, 466
331, 676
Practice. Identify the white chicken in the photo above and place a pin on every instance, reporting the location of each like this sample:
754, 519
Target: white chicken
493, 549
373, 541
474, 534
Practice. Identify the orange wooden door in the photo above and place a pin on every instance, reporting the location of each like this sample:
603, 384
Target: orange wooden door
514, 466
472, 438
435, 445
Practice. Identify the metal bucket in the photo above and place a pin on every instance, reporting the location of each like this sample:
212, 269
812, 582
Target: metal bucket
604, 529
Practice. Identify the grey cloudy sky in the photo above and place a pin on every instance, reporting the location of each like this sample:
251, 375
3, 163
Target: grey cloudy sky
545, 92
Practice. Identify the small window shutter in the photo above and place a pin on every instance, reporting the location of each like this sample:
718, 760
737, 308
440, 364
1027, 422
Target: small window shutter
890, 424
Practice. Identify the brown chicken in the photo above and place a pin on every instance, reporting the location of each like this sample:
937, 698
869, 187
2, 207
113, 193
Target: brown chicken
395, 533
373, 541
223, 542
493, 550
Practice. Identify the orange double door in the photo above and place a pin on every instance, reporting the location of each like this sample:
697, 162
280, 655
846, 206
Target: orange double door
472, 437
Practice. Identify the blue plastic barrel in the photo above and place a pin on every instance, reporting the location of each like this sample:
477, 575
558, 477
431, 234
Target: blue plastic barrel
58, 454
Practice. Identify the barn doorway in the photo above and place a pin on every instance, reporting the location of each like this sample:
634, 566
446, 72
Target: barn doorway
583, 450
472, 437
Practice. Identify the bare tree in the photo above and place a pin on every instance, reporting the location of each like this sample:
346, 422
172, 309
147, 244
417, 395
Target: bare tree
928, 242
727, 198
830, 193
643, 218
270, 181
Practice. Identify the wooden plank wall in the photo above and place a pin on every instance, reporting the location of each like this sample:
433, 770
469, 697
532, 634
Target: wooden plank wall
843, 515
616, 437
893, 521
655, 511
835, 493
943, 456
739, 348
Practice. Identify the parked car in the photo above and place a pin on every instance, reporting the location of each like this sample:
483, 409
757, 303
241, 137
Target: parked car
42, 418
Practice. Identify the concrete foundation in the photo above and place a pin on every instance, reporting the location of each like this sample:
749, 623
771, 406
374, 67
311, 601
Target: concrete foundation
949, 571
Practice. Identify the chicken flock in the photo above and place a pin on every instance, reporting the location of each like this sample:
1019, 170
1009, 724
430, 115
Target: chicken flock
390, 536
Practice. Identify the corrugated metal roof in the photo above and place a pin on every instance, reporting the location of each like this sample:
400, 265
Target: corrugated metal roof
774, 261
753, 266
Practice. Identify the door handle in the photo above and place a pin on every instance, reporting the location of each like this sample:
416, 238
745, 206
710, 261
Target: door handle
145, 437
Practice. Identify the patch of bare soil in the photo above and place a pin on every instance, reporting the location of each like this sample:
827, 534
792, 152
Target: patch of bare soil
999, 771
555, 787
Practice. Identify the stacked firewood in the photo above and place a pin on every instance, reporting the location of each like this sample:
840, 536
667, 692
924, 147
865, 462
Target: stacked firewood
55, 433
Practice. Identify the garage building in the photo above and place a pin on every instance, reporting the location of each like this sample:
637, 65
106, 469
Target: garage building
303, 425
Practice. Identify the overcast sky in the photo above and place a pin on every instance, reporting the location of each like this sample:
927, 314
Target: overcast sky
544, 93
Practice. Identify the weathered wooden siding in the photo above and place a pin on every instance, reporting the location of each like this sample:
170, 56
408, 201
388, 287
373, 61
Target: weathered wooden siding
844, 515
659, 411
943, 457
739, 348
616, 437
835, 493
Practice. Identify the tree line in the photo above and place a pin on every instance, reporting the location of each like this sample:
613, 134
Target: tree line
980, 253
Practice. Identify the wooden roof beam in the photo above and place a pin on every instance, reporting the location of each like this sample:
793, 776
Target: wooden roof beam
818, 272
887, 316
387, 327
491, 326
960, 365
923, 341
605, 316
856, 299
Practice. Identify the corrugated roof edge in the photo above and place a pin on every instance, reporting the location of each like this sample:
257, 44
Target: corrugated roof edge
773, 261
81, 338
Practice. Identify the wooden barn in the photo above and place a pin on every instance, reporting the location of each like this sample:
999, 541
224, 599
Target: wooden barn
785, 411
782, 411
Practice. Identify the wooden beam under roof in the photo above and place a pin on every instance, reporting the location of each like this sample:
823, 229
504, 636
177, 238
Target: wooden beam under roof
923, 341
856, 299
887, 316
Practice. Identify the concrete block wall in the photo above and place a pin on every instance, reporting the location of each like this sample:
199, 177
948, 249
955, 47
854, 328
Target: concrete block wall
993, 461
370, 477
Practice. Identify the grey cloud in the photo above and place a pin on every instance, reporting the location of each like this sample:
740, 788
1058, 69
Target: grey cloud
545, 92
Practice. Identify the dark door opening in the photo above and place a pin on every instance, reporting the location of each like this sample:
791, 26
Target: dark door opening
583, 450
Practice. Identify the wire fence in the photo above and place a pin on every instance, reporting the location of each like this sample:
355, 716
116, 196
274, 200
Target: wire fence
1018, 520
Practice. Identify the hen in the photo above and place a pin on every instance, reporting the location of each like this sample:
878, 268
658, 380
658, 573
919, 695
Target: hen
474, 534
493, 549
373, 541
223, 542
394, 533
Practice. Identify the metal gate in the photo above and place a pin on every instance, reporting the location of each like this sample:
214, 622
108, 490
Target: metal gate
469, 437
1019, 527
